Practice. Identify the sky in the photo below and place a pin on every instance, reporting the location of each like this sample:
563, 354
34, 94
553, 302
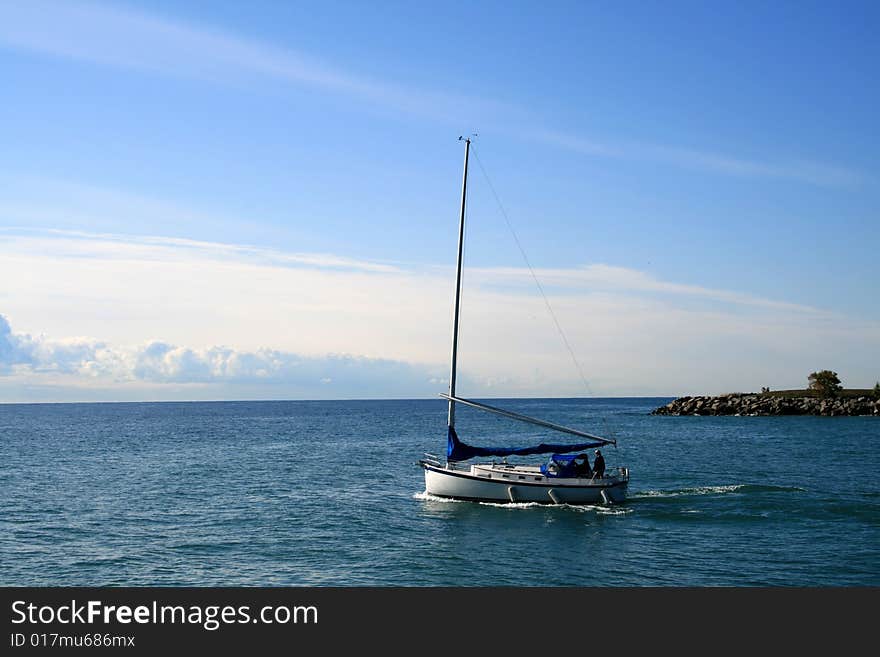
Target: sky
260, 200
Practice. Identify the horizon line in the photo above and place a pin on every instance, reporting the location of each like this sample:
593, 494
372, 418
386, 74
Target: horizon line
341, 399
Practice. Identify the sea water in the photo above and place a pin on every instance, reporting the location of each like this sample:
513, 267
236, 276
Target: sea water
330, 493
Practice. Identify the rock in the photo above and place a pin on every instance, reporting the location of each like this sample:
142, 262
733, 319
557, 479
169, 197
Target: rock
750, 404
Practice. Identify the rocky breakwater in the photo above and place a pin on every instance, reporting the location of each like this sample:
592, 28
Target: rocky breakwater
763, 404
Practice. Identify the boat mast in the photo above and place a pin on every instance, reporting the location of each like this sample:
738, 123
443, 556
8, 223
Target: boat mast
451, 419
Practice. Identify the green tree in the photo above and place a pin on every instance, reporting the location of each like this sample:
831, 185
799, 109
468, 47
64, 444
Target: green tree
826, 383
877, 390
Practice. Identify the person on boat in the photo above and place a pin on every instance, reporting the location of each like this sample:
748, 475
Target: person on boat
599, 465
582, 466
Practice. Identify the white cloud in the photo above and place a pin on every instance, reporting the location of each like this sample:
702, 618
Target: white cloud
129, 39
610, 278
84, 360
121, 247
125, 38
215, 318
805, 171
20, 352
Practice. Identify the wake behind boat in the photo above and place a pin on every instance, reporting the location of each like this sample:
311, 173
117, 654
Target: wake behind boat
564, 479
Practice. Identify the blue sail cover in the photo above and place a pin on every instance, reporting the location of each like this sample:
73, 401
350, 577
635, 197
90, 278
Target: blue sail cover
564, 465
459, 451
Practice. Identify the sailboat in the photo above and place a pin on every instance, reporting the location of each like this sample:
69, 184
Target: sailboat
564, 478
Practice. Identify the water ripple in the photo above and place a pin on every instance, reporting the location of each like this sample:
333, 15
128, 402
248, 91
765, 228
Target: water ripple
322, 493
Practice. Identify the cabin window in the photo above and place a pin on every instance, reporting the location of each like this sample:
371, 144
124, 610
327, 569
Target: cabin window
521, 477
538, 478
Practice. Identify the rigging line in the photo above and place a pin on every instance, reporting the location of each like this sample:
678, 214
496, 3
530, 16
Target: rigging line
525, 418
532, 271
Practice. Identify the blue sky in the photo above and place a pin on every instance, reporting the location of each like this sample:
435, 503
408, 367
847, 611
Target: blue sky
703, 179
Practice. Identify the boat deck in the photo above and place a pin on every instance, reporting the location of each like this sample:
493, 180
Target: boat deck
529, 474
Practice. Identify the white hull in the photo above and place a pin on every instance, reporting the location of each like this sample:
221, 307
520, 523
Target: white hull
488, 482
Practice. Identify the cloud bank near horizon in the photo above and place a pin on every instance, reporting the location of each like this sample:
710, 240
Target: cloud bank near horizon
185, 319
88, 362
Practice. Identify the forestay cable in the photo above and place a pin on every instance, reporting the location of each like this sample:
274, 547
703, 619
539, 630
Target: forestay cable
532, 271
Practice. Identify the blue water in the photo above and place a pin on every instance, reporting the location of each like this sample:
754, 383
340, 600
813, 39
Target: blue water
329, 493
